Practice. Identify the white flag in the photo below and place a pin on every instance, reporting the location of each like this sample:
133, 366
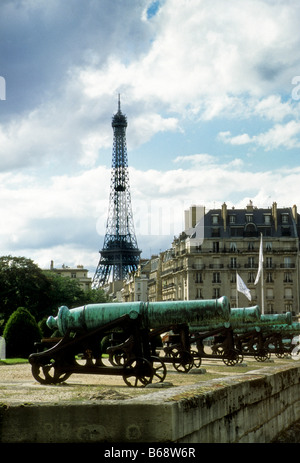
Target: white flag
261, 259
241, 287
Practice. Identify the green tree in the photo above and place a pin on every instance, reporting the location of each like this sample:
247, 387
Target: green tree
96, 296
22, 284
63, 291
21, 332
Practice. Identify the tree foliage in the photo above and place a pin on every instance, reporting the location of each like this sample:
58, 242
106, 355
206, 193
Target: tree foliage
24, 284
20, 333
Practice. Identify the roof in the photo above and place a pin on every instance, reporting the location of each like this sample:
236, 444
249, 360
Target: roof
250, 222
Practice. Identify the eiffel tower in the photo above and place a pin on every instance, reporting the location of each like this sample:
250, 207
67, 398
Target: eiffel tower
120, 254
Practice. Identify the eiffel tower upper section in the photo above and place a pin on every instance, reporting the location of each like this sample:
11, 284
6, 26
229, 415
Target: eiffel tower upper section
120, 254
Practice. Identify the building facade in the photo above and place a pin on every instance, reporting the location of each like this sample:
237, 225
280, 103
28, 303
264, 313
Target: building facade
79, 273
205, 259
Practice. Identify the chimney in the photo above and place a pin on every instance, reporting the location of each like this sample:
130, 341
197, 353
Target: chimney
274, 214
294, 212
224, 215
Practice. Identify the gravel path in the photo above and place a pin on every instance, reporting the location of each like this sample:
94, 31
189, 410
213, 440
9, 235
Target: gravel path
17, 385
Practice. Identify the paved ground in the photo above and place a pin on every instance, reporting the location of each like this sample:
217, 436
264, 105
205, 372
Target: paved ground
17, 384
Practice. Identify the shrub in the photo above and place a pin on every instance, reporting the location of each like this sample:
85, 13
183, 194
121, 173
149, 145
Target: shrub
21, 332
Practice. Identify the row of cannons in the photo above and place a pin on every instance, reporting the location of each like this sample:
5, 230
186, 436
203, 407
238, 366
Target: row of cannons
138, 340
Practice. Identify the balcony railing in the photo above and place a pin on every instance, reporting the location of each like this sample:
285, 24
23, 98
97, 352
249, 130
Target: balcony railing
287, 265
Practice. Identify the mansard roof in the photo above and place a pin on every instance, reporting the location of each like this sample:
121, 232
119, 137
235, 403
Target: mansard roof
250, 222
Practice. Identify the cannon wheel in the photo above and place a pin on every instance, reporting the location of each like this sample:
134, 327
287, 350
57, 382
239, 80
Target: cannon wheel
281, 355
49, 373
240, 354
262, 356
185, 361
138, 372
159, 370
118, 358
197, 360
231, 357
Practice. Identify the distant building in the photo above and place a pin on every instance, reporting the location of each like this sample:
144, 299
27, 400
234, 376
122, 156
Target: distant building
135, 287
207, 269
79, 273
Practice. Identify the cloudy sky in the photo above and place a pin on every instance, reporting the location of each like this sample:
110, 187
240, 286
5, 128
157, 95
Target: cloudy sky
211, 91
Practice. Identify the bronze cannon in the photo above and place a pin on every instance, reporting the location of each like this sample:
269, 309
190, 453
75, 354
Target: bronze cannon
131, 329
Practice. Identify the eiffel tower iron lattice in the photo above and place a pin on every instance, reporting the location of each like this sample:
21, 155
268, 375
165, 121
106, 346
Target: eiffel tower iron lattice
120, 254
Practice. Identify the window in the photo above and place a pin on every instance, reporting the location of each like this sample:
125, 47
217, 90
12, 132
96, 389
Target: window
250, 246
287, 278
233, 262
288, 293
216, 277
270, 308
215, 219
268, 246
269, 262
249, 218
284, 218
269, 277
198, 278
287, 262
267, 218
232, 219
250, 262
233, 247
233, 278
288, 307
251, 277
199, 293
215, 232
216, 246
250, 230
270, 294
216, 293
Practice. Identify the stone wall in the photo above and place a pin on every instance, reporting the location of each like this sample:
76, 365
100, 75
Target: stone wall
248, 408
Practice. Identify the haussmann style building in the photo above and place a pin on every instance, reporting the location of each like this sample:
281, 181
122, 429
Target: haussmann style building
216, 246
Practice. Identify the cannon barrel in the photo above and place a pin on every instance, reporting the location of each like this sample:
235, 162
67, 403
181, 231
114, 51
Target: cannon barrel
293, 328
276, 319
245, 315
153, 314
238, 317
269, 322
249, 318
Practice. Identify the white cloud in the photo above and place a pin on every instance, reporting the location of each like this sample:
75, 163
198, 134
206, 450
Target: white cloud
200, 62
196, 159
281, 135
65, 220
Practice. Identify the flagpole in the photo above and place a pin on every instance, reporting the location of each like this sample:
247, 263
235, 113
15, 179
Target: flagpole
262, 289
237, 297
